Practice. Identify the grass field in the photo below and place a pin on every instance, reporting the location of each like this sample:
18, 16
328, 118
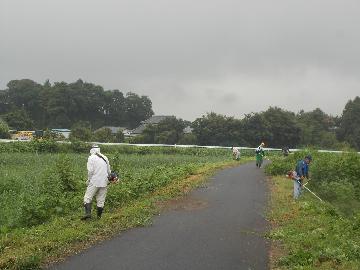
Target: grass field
41, 199
308, 234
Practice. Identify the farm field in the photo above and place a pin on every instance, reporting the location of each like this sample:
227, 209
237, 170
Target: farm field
41, 197
309, 234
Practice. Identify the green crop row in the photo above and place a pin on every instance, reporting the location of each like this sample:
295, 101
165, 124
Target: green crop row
51, 146
34, 188
41, 197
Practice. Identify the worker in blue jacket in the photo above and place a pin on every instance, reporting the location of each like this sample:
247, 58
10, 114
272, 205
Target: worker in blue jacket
302, 171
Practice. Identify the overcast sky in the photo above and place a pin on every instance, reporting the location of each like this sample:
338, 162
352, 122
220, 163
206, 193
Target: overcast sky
191, 56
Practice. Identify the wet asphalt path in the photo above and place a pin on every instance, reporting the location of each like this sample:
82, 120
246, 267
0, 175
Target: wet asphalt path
218, 226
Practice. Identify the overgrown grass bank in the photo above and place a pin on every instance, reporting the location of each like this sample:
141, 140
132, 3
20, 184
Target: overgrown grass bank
41, 199
308, 234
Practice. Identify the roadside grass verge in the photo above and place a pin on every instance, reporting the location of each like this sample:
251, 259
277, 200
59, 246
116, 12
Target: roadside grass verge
307, 234
38, 246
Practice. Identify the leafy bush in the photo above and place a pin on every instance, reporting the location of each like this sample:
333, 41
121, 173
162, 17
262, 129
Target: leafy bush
35, 188
80, 133
315, 235
4, 130
76, 147
334, 176
44, 146
103, 135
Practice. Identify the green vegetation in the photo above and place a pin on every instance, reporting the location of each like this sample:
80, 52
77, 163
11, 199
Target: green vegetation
4, 130
51, 146
308, 234
41, 195
276, 127
350, 123
85, 107
26, 105
168, 131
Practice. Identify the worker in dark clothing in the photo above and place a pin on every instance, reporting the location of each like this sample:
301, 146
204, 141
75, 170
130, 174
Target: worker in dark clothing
301, 172
285, 150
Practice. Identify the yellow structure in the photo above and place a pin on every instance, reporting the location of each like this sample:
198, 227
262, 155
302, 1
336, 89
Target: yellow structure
24, 135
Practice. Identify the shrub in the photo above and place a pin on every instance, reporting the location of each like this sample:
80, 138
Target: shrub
103, 135
4, 130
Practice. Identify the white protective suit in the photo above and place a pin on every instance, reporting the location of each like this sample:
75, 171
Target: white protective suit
236, 152
98, 171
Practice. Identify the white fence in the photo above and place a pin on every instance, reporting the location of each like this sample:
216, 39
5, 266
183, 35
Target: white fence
184, 146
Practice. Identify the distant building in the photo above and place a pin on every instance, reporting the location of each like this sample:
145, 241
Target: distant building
154, 120
137, 131
334, 128
63, 131
114, 130
188, 130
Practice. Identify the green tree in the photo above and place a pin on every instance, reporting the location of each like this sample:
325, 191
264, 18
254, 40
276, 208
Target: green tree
167, 137
27, 95
5, 104
316, 128
283, 128
349, 129
61, 104
103, 135
217, 129
256, 129
188, 139
80, 132
4, 130
114, 108
119, 137
70, 103
148, 135
19, 120
170, 130
137, 109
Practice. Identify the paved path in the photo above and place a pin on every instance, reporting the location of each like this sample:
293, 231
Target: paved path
216, 227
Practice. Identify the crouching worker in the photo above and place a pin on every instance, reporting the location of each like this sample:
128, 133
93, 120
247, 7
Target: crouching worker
236, 153
98, 171
301, 172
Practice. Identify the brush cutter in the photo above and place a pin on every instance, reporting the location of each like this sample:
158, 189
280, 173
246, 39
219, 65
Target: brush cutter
292, 175
310, 190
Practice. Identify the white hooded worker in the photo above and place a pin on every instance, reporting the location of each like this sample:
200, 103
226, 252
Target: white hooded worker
236, 153
98, 171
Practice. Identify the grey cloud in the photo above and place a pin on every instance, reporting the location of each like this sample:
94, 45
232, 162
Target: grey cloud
294, 54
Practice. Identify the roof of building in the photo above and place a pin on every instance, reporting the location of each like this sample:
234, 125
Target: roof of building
114, 130
153, 120
139, 129
156, 119
61, 130
188, 130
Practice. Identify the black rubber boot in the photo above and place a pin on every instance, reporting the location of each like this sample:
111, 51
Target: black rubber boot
99, 211
87, 207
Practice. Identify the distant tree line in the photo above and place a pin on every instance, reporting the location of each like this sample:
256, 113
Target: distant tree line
84, 107
275, 126
26, 105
